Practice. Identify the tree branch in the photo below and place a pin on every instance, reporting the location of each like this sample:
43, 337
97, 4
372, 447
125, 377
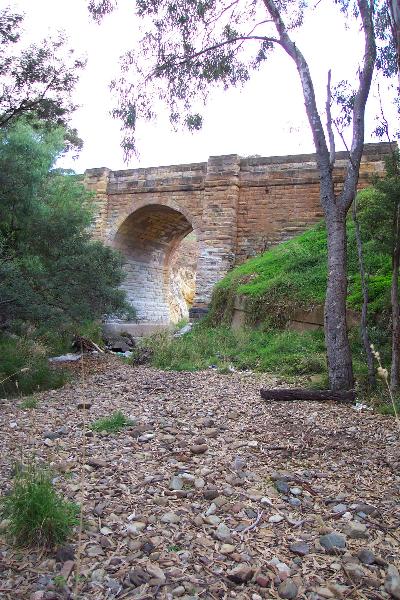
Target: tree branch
357, 145
329, 121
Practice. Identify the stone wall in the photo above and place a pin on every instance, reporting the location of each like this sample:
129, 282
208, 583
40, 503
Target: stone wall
236, 207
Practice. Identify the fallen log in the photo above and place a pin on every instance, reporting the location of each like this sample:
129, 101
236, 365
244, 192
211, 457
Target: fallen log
293, 394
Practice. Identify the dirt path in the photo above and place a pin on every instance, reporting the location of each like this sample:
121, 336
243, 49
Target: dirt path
213, 493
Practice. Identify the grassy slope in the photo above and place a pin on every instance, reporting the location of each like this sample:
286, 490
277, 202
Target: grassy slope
293, 275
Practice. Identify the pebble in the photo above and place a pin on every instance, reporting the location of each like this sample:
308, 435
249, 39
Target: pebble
275, 519
199, 449
300, 548
288, 589
392, 582
176, 483
223, 533
241, 574
333, 541
339, 509
356, 531
136, 528
227, 549
170, 517
178, 591
296, 491
366, 556
210, 493
282, 486
295, 502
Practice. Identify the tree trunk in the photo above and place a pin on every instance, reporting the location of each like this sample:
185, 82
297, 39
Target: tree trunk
296, 394
364, 310
394, 296
340, 367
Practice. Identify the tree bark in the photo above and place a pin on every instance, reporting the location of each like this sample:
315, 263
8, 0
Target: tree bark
337, 342
293, 394
394, 297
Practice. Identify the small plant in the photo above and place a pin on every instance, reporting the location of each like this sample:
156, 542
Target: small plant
37, 514
174, 548
59, 581
29, 402
112, 424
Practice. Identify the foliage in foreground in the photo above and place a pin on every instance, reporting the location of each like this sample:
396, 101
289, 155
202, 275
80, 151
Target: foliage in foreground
112, 424
37, 514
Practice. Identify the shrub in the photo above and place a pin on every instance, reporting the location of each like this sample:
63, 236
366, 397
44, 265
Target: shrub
112, 424
24, 368
37, 514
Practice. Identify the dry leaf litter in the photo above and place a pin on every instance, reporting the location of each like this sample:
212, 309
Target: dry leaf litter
211, 493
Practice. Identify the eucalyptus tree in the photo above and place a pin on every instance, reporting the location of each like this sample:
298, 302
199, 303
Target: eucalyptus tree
191, 46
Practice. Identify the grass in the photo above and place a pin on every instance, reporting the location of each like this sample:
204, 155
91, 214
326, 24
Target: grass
29, 402
112, 424
279, 352
37, 514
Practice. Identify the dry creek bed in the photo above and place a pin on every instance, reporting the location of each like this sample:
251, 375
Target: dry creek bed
212, 493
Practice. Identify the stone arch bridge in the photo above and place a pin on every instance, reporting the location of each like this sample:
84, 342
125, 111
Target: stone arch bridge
236, 207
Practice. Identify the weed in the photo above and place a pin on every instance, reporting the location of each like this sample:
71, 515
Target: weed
37, 514
29, 402
112, 424
174, 548
59, 581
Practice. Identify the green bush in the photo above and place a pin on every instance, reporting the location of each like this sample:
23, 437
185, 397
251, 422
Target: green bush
37, 514
112, 424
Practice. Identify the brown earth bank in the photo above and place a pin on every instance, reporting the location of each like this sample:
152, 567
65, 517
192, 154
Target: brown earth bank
212, 493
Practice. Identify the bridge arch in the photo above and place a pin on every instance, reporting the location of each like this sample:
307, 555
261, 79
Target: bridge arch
148, 237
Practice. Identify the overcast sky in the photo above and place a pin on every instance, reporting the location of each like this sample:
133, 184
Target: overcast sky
265, 117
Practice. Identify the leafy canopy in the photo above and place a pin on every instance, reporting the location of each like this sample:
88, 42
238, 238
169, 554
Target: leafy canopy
51, 271
37, 81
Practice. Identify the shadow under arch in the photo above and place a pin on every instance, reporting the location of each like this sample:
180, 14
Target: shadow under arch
148, 238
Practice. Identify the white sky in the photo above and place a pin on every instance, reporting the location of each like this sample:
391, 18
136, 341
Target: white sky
266, 117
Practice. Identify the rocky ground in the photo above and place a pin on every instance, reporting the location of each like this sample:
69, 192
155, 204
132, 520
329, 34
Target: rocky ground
212, 493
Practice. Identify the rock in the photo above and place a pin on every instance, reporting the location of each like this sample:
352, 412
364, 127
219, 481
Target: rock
339, 509
199, 483
288, 589
356, 531
156, 573
354, 572
178, 591
170, 517
300, 548
333, 541
263, 581
210, 493
65, 553
212, 520
94, 551
240, 574
98, 575
176, 483
295, 502
97, 463
138, 576
281, 567
392, 582
136, 528
366, 556
282, 486
296, 491
227, 549
199, 449
223, 533
275, 519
